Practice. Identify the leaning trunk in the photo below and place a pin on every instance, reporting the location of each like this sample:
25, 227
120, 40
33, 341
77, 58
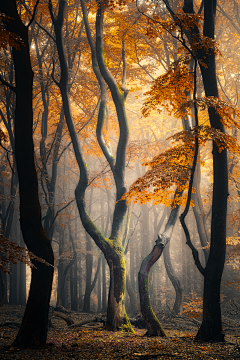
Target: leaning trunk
153, 325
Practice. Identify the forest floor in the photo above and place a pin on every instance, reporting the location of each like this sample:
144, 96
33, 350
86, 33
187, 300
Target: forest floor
91, 341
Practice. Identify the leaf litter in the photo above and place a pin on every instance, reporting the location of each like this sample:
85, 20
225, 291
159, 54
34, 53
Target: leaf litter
94, 342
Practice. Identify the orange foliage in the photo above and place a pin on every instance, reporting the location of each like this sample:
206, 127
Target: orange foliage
11, 252
193, 308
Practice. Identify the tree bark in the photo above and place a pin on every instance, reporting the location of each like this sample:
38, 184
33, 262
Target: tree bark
177, 307
211, 327
153, 325
112, 247
33, 329
22, 282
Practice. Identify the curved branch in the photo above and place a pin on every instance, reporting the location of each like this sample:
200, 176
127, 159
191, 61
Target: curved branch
117, 97
102, 108
4, 82
185, 212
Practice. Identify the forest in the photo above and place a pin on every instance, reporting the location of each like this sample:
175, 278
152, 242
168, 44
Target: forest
119, 189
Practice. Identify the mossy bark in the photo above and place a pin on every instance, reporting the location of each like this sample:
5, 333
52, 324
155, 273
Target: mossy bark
116, 314
111, 247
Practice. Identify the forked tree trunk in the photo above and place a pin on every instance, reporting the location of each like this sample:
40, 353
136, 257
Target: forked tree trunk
112, 247
33, 329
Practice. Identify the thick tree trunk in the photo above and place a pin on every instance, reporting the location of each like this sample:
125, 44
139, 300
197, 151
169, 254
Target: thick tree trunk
211, 327
33, 329
22, 281
2, 288
116, 314
104, 287
14, 276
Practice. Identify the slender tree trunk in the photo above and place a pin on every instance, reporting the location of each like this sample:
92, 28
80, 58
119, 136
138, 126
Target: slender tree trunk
177, 307
99, 290
89, 267
80, 285
112, 249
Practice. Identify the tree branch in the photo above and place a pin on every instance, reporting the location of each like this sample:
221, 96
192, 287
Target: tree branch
13, 88
34, 13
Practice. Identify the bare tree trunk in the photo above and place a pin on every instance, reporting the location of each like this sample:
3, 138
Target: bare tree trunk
177, 307
22, 281
153, 325
211, 327
33, 329
111, 247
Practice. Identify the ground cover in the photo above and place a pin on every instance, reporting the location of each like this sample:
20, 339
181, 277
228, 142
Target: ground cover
91, 341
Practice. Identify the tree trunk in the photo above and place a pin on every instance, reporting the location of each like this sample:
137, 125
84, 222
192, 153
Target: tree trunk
89, 267
14, 276
211, 327
153, 325
104, 287
33, 329
22, 280
112, 247
177, 307
99, 291
2, 288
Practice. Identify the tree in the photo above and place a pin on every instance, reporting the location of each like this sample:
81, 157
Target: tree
33, 329
211, 327
112, 249
202, 48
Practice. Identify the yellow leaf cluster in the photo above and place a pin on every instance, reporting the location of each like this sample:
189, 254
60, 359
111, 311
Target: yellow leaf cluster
173, 166
225, 110
169, 89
